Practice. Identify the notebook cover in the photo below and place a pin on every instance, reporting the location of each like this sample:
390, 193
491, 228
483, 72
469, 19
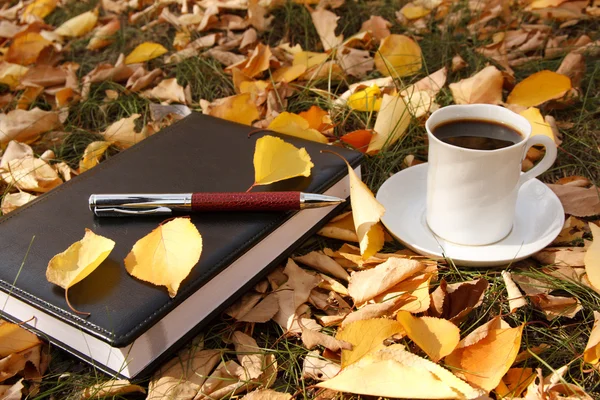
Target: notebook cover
199, 153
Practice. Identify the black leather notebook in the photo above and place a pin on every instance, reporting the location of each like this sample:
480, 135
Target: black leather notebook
133, 324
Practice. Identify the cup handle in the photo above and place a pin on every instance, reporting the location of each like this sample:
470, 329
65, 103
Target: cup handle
546, 162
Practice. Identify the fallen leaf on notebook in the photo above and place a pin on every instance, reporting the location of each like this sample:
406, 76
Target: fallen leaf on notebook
92, 154
14, 339
166, 255
539, 88
395, 372
592, 349
435, 336
276, 160
78, 261
114, 387
79, 25
398, 56
592, 258
144, 52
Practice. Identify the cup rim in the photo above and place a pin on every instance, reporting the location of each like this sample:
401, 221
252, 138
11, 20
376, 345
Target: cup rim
526, 135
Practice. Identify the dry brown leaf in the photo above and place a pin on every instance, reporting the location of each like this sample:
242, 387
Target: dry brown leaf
12, 392
570, 256
372, 310
378, 26
573, 229
323, 263
578, 201
326, 23
104, 35
113, 387
26, 48
251, 309
394, 372
227, 379
14, 151
15, 363
27, 125
312, 338
592, 258
328, 283
256, 16
92, 155
436, 337
454, 302
341, 228
516, 299
267, 394
365, 285
248, 354
573, 66
30, 173
354, 62
11, 74
12, 201
14, 339
318, 368
592, 349
44, 75
557, 306
483, 87
256, 63
168, 91
122, 132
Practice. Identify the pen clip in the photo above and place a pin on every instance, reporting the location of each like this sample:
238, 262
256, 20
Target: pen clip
124, 212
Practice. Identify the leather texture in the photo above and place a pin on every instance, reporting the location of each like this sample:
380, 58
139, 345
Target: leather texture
199, 153
264, 201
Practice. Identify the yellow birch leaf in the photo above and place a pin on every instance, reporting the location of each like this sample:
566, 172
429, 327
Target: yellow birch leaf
394, 372
310, 59
144, 52
79, 25
435, 336
14, 339
294, 125
92, 154
11, 74
122, 132
79, 260
398, 56
484, 362
391, 123
539, 88
366, 336
26, 47
166, 255
368, 99
40, 8
483, 87
592, 257
238, 108
538, 124
289, 73
592, 350
276, 160
412, 11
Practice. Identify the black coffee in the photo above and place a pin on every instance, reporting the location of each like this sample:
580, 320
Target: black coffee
477, 134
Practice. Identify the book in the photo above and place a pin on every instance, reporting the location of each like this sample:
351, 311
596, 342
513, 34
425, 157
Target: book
134, 326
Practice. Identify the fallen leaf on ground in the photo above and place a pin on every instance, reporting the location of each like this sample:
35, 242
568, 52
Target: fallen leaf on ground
267, 394
79, 25
30, 173
11, 74
514, 383
248, 354
378, 26
398, 56
516, 299
359, 139
227, 379
484, 362
166, 256
573, 66
27, 125
355, 62
12, 201
12, 392
14, 339
92, 154
391, 123
319, 368
368, 99
394, 372
113, 387
39, 8
323, 263
238, 108
578, 201
366, 336
294, 125
104, 35
317, 118
557, 306
144, 52
340, 227
592, 258
122, 132
312, 338
592, 349
16, 363
325, 23
167, 91
436, 337
26, 48
571, 256
539, 88
255, 311
573, 229
455, 301
256, 63
483, 87
538, 124
276, 160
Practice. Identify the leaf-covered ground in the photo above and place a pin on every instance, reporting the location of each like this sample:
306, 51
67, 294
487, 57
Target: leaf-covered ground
82, 80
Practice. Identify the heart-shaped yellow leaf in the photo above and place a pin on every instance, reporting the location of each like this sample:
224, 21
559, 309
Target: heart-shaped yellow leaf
166, 255
539, 88
144, 52
276, 160
39, 8
294, 125
79, 260
14, 339
592, 257
435, 336
92, 154
79, 25
398, 56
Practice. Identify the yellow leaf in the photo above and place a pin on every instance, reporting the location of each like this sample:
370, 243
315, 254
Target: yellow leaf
592, 257
92, 154
391, 123
368, 99
483, 87
294, 125
515, 382
325, 23
539, 88
239, 108
592, 350
394, 372
26, 47
317, 118
398, 56
276, 160
412, 11
483, 361
14, 339
289, 73
79, 25
79, 260
40, 8
366, 336
166, 255
144, 52
436, 337
310, 59
538, 124
11, 74
122, 133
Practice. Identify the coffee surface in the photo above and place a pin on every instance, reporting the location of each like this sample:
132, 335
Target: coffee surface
477, 134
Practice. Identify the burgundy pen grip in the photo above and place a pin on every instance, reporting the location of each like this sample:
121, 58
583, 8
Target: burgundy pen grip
260, 201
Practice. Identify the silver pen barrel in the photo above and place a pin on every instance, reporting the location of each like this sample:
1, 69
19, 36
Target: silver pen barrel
114, 205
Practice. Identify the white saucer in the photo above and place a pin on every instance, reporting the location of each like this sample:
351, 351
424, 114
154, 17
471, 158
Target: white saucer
538, 221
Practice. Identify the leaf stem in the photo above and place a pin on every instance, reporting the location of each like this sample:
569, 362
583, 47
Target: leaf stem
71, 307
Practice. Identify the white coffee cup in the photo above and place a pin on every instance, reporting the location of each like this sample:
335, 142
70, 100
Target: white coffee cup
472, 194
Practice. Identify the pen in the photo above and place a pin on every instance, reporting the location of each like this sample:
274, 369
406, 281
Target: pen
117, 205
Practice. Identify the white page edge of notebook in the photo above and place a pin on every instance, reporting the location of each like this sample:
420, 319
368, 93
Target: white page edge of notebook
130, 360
